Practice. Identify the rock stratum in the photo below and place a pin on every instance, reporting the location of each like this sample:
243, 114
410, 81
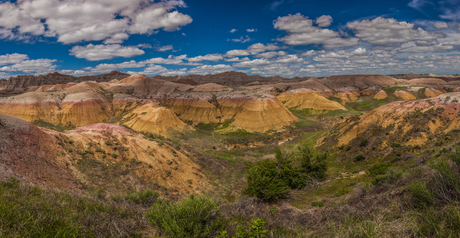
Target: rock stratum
160, 106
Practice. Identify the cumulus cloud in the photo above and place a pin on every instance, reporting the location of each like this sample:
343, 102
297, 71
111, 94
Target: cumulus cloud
175, 60
311, 53
236, 59
384, 31
289, 59
12, 58
164, 48
422, 48
37, 66
324, 21
237, 53
242, 39
74, 21
106, 68
251, 30
271, 54
208, 57
233, 30
102, 52
440, 25
300, 31
211, 69
259, 47
252, 63
341, 54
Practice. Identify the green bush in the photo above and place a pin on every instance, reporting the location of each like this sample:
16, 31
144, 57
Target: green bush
378, 169
272, 180
191, 217
363, 142
114, 155
318, 204
359, 157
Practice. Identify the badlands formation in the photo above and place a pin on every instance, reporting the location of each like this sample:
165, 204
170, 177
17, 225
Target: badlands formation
119, 122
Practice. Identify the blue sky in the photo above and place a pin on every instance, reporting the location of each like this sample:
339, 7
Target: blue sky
277, 37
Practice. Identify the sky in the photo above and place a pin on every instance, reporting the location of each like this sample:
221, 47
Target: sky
266, 37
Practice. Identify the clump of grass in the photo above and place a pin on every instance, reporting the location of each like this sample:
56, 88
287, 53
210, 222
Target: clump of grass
318, 204
27, 211
191, 217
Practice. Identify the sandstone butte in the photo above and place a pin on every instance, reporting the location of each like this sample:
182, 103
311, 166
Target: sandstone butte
309, 99
404, 95
394, 113
380, 95
44, 157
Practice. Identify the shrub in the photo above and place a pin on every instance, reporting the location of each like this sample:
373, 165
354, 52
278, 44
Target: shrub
272, 180
378, 169
363, 142
191, 217
264, 182
114, 155
318, 204
359, 157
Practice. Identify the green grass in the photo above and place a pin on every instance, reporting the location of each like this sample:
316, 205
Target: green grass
27, 211
49, 125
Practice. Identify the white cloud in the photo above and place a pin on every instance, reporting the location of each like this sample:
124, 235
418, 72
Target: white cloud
102, 52
251, 30
236, 59
428, 48
311, 53
252, 63
242, 39
271, 54
117, 38
384, 31
237, 53
440, 25
324, 21
74, 21
417, 4
145, 46
259, 47
358, 53
12, 58
164, 48
177, 60
301, 31
208, 57
289, 59
233, 30
211, 69
37, 66
106, 68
